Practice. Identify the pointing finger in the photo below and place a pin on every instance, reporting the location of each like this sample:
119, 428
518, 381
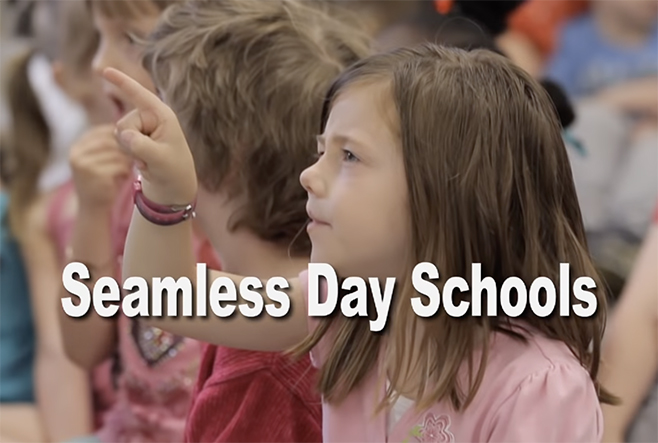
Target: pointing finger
150, 108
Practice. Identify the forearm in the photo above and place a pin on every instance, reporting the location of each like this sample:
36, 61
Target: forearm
630, 353
166, 251
90, 339
63, 395
631, 365
640, 96
154, 251
20, 423
521, 51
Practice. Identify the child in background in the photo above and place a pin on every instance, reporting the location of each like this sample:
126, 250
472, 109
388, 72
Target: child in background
607, 61
630, 354
534, 29
20, 420
425, 155
52, 98
158, 369
199, 56
614, 43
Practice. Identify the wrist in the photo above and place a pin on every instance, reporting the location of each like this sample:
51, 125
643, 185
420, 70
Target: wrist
160, 195
161, 214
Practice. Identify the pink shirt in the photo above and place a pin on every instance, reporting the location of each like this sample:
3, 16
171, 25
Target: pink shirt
158, 369
530, 393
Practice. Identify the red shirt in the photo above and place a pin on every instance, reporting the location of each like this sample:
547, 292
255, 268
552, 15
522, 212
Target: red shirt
254, 397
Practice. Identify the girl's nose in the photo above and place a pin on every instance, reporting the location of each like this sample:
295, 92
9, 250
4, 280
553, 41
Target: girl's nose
101, 60
312, 181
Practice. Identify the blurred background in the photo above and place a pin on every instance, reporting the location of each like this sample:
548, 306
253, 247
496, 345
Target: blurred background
598, 59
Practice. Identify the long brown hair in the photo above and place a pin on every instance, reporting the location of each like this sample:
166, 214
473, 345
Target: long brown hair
489, 182
64, 33
28, 142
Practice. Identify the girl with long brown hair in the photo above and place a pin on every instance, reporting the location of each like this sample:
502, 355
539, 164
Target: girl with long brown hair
425, 155
52, 98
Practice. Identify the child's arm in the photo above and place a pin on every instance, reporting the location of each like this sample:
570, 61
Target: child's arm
20, 423
99, 167
62, 389
637, 96
168, 178
630, 355
522, 51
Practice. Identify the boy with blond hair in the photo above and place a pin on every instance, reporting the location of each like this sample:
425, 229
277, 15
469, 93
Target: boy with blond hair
246, 79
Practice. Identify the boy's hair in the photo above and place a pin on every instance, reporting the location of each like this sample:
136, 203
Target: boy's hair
246, 79
129, 9
489, 182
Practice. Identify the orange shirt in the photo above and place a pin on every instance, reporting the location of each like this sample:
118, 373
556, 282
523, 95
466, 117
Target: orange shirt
540, 20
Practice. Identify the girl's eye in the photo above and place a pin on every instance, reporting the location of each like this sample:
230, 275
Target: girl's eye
349, 157
318, 155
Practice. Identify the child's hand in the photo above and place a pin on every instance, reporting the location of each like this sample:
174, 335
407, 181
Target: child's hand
152, 135
99, 167
634, 96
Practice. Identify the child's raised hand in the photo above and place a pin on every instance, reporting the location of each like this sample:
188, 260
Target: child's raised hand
99, 168
152, 135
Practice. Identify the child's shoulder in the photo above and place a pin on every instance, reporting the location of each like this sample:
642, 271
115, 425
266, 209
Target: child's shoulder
526, 381
532, 353
532, 390
579, 26
535, 369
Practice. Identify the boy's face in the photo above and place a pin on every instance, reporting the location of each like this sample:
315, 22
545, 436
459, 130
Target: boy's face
118, 50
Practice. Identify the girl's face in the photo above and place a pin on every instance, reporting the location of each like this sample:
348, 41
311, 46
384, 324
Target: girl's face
118, 50
85, 88
357, 190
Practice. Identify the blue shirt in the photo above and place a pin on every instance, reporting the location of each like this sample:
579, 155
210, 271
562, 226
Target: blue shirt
17, 341
585, 62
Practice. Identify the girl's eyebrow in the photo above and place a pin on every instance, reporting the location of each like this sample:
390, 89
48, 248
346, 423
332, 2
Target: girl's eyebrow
342, 140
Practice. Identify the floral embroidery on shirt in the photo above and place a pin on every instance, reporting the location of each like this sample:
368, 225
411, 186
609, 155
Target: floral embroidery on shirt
153, 344
433, 430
